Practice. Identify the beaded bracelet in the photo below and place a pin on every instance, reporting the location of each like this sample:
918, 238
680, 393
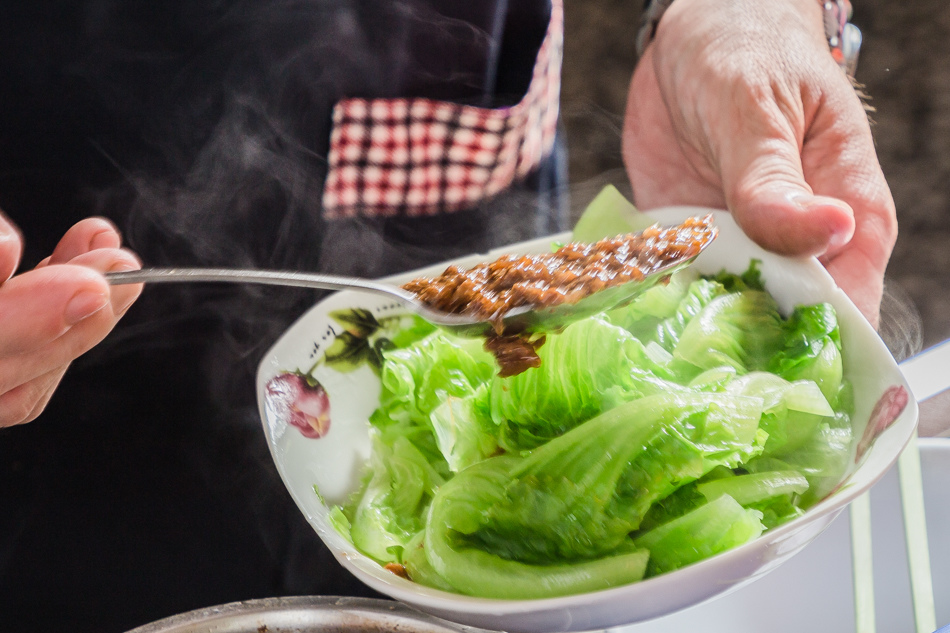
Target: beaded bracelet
844, 38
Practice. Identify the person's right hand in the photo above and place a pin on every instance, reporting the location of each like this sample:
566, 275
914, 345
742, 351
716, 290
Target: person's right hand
51, 315
739, 105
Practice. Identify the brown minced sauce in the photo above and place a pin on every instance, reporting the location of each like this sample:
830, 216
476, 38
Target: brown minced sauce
572, 272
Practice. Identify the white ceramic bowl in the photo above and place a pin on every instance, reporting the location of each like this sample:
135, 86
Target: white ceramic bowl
332, 463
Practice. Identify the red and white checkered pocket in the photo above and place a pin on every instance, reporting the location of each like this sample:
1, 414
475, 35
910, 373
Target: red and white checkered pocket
421, 157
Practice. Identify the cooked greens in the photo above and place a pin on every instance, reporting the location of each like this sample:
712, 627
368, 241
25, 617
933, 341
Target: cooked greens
650, 437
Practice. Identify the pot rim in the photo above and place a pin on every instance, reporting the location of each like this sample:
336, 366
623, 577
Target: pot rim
305, 614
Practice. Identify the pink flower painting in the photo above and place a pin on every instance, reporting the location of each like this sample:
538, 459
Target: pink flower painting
300, 402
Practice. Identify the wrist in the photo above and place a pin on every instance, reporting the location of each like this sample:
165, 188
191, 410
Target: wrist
830, 19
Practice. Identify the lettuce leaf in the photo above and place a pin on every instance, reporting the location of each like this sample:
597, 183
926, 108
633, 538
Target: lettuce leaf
706, 531
642, 316
609, 214
584, 370
812, 349
464, 429
666, 331
751, 279
417, 379
742, 330
576, 498
792, 411
391, 507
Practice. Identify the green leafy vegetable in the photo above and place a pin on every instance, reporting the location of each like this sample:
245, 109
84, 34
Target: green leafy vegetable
651, 437
742, 330
609, 214
419, 378
584, 370
792, 411
751, 279
710, 529
389, 511
580, 495
812, 349
667, 329
463, 429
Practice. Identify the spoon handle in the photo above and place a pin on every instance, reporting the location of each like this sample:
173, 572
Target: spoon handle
270, 277
455, 322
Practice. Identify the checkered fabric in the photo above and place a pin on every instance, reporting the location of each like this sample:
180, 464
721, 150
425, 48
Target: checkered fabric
419, 157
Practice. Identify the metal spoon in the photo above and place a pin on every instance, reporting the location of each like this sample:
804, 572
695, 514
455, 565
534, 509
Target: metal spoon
288, 278
523, 319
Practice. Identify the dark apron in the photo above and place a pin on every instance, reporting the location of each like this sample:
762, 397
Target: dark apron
201, 128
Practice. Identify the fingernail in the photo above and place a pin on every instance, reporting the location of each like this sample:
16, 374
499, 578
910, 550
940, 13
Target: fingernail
837, 239
83, 305
103, 239
7, 232
122, 309
807, 201
123, 265
841, 226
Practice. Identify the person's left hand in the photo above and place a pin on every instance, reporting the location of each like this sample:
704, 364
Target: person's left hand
739, 105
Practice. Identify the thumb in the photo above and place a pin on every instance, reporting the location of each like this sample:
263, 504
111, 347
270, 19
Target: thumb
766, 191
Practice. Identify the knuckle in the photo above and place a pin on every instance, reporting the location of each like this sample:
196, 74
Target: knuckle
27, 401
766, 175
879, 209
18, 406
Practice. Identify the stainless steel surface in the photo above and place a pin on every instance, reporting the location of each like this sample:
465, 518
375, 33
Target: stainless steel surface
283, 278
517, 320
305, 615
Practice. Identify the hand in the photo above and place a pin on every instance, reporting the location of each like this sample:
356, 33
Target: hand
739, 105
51, 315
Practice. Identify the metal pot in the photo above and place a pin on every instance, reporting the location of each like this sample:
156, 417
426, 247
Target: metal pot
305, 615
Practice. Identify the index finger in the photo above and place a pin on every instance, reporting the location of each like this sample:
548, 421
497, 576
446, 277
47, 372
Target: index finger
35, 307
11, 248
840, 161
858, 276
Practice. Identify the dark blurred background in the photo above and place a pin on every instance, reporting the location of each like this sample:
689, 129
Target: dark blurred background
98, 510
905, 66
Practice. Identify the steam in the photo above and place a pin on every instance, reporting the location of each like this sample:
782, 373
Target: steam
901, 327
233, 104
237, 121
